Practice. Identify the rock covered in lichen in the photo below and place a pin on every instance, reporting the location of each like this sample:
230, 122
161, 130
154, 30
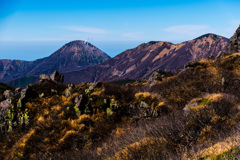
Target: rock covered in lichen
8, 94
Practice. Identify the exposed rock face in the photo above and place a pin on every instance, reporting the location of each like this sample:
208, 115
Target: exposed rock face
234, 45
8, 94
4, 108
17, 90
159, 75
78, 100
69, 90
141, 61
44, 77
57, 77
156, 76
72, 56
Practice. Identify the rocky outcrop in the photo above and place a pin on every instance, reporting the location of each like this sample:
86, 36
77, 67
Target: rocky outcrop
68, 91
4, 107
156, 76
234, 45
57, 77
8, 94
44, 77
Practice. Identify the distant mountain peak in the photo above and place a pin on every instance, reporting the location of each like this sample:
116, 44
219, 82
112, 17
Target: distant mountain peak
209, 35
74, 55
80, 47
79, 54
78, 42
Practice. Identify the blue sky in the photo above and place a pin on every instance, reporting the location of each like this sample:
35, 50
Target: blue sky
32, 29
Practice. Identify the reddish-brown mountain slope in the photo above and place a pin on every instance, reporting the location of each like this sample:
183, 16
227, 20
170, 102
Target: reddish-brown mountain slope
141, 61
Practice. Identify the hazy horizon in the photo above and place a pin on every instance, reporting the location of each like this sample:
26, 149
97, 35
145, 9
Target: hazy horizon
31, 30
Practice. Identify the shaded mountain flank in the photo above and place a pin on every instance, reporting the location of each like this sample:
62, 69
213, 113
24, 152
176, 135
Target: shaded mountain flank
141, 61
234, 45
72, 56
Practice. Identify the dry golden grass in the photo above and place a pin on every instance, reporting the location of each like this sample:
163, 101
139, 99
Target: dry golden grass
206, 100
217, 149
141, 147
17, 151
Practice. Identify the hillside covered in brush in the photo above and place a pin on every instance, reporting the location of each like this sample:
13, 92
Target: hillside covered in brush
193, 114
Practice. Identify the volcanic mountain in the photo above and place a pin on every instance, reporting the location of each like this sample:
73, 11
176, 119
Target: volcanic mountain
72, 56
141, 61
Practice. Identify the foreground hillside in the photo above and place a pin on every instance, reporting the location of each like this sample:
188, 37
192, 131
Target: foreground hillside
141, 61
193, 114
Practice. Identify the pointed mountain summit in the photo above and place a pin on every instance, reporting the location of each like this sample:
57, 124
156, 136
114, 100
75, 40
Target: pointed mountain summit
74, 55
78, 54
208, 35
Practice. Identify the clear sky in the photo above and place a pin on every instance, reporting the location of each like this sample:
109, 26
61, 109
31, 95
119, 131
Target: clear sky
32, 29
